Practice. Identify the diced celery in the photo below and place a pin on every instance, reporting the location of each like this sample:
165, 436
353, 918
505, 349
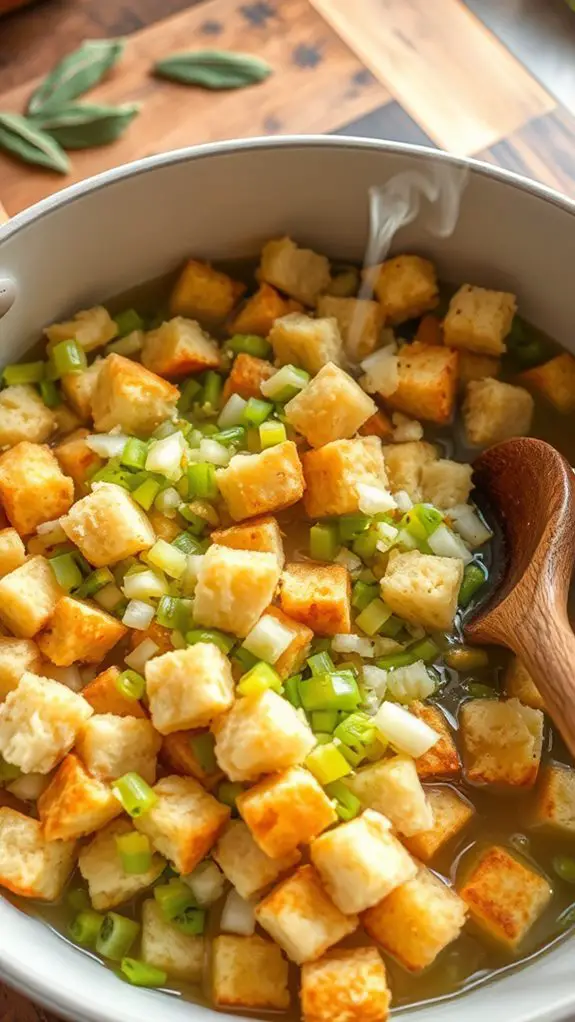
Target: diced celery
324, 720
189, 392
146, 493
464, 658
323, 541
256, 411
272, 433
259, 679
291, 690
373, 617
187, 543
66, 571
23, 372
68, 357
168, 558
285, 384
365, 546
320, 663
203, 749
127, 321
335, 691
131, 684
49, 393
213, 384
363, 594
202, 481
352, 526
134, 454
175, 613
249, 344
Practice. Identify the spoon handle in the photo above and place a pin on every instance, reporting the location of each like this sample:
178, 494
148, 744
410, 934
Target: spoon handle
546, 647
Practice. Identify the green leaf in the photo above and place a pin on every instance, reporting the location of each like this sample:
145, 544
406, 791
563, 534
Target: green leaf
82, 125
21, 138
75, 74
214, 69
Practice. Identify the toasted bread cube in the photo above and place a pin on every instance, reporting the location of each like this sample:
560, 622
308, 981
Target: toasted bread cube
429, 330
554, 809
234, 588
427, 382
179, 756
259, 735
129, 395
505, 897
244, 863
555, 380
17, 656
417, 920
101, 866
184, 823
299, 272
79, 631
104, 696
257, 484
379, 424
451, 813
112, 746
175, 704
318, 595
334, 472
247, 375
392, 787
299, 340
442, 759
406, 287
446, 483
205, 294
293, 657
76, 459
520, 685
259, 312
165, 947
24, 416
108, 525
30, 865
28, 597
502, 742
178, 347
90, 328
261, 534
332, 407
39, 722
74, 803
423, 589
33, 489
346, 985
12, 551
479, 320
249, 973
404, 464
494, 411
286, 810
476, 367
79, 389
359, 321
66, 420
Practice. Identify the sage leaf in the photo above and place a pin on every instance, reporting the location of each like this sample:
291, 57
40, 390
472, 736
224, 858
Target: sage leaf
75, 74
21, 138
83, 125
213, 69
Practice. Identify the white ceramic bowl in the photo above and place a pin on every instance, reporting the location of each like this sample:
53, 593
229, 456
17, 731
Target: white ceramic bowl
101, 237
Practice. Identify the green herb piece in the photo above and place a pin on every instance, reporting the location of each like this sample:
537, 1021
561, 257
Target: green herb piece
85, 125
85, 928
140, 974
75, 74
117, 934
22, 139
213, 69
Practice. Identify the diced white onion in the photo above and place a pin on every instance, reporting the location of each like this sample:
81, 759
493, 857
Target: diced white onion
232, 412
29, 787
168, 501
387, 535
382, 645
381, 371
374, 500
370, 701
376, 679
139, 656
445, 543
52, 532
349, 560
138, 615
403, 500
406, 684
237, 916
108, 597
404, 731
352, 644
213, 452
206, 883
165, 456
68, 676
468, 524
107, 445
144, 585
268, 639
287, 376
406, 429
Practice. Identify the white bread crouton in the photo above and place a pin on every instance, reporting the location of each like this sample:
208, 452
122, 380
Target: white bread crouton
12, 551
293, 657
79, 631
165, 947
554, 809
299, 272
179, 755
427, 385
392, 788
90, 328
33, 488
446, 483
309, 343
174, 703
442, 760
332, 407
404, 464
417, 920
423, 589
555, 381
76, 459
66, 420
249, 973
318, 595
28, 597
259, 735
112, 746
79, 388
259, 312
334, 472
74, 804
494, 411
261, 534
257, 484
347, 985
29, 865
359, 321
244, 863
505, 897
203, 293
451, 813
406, 287
108, 526
17, 656
479, 320
184, 823
233, 589
286, 810
104, 696
179, 347
101, 867
39, 722
24, 416
502, 742
128, 395
519, 684
476, 367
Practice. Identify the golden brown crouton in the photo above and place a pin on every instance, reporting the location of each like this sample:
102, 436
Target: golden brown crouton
446, 483
442, 759
234, 588
75, 803
299, 340
502, 742
66, 420
476, 367
379, 424
392, 787
286, 810
293, 657
494, 411
405, 286
359, 321
318, 595
79, 631
451, 813
332, 407
179, 347
28, 596
108, 526
404, 464
244, 863
76, 459
479, 320
179, 756
429, 330
504, 896
555, 380
177, 705
104, 696
164, 527
249, 973
299, 272
17, 656
259, 312
111, 746
184, 823
256, 484
101, 866
519, 684
554, 809
90, 328
12, 551
33, 489
78, 389
130, 396
39, 722
427, 382
334, 472
205, 294
261, 734
30, 865
423, 589
24, 416
347, 985
261, 534
246, 376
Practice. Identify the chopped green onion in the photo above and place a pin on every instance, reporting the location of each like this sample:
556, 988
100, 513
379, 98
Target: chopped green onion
355, 733
202, 481
117, 934
363, 594
219, 639
189, 392
272, 433
426, 650
327, 763
134, 454
249, 344
421, 521
68, 357
8, 772
134, 794
233, 436
323, 541
78, 899
373, 617
173, 898
478, 691
285, 384
174, 612
291, 690
135, 852
564, 867
324, 720
128, 321
203, 749
228, 792
110, 598
140, 974
146, 493
23, 372
49, 393
335, 691
191, 921
365, 546
473, 578
168, 558
320, 662
85, 928
352, 526
347, 805
212, 390
131, 685
66, 571
256, 411
95, 581
463, 658
187, 543
259, 679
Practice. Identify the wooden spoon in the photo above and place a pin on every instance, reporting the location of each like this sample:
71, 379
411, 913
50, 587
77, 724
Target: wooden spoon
531, 489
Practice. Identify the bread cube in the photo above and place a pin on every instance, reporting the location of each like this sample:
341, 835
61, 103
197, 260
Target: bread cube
293, 657
334, 472
554, 809
379, 425
17, 656
451, 814
79, 631
479, 320
179, 756
494, 411
129, 395
30, 865
318, 595
164, 527
257, 484
427, 382
33, 489
404, 464
299, 272
392, 787
505, 897
165, 947
179, 347
79, 389
112, 746
261, 534
286, 810
12, 551
346, 985
423, 589
108, 526
442, 760
101, 867
519, 684
332, 407
446, 483
259, 312
299, 340
39, 722
184, 823
259, 735
205, 294
249, 973
28, 597
244, 863
176, 704
476, 367
406, 287
502, 742
246, 376
233, 589
417, 920
74, 803
555, 380
24, 416
359, 321
66, 420
90, 328
104, 696
76, 459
